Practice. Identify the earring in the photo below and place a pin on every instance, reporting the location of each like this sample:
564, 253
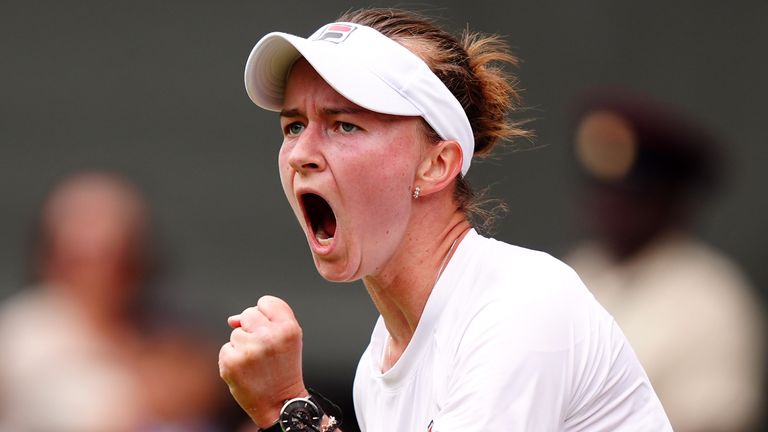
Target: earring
416, 192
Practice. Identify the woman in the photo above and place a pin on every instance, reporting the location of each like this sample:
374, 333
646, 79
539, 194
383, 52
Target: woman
76, 350
382, 113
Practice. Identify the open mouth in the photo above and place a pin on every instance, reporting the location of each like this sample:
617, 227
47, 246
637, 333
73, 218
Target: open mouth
320, 218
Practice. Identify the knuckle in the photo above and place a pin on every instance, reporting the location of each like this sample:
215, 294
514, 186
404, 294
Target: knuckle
248, 312
289, 332
253, 352
271, 303
224, 372
262, 334
266, 302
226, 365
236, 335
224, 351
267, 298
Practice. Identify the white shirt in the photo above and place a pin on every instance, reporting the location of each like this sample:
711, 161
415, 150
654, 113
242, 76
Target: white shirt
693, 320
509, 340
56, 374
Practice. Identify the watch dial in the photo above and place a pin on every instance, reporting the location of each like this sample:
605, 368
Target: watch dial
300, 415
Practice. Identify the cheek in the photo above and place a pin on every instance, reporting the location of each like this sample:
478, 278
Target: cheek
285, 171
380, 212
385, 184
389, 158
286, 175
379, 186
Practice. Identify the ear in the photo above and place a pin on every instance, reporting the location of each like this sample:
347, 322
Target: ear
440, 166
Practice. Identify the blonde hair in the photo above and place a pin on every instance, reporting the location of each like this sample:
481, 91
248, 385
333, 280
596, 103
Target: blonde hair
472, 67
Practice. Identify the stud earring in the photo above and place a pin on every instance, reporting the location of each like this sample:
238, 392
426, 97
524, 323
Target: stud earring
416, 192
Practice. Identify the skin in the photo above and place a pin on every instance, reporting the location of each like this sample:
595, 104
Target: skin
365, 165
93, 227
93, 256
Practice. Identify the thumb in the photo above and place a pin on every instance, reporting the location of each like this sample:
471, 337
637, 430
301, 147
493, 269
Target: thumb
275, 309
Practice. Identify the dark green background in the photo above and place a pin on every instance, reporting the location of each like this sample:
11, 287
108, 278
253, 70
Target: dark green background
153, 89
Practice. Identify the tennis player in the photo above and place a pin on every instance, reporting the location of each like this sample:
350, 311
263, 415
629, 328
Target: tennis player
382, 113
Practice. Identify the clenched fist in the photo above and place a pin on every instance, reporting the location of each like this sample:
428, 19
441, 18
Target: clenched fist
261, 363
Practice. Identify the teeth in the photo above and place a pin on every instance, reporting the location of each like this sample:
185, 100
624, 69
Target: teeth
322, 237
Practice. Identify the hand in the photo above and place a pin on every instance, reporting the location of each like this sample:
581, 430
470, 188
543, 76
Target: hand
261, 363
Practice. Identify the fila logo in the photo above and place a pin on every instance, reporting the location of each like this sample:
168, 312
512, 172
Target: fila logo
336, 33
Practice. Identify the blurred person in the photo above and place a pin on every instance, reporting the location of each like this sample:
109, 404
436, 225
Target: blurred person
382, 113
74, 356
687, 309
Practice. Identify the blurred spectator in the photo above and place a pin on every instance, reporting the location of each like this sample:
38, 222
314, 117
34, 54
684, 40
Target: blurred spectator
74, 356
687, 309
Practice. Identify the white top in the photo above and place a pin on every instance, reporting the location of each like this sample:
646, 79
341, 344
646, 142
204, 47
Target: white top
56, 374
510, 340
692, 318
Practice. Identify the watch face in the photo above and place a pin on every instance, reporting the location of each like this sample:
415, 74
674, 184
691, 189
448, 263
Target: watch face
300, 415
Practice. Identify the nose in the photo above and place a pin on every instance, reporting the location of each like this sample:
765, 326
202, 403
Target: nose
305, 155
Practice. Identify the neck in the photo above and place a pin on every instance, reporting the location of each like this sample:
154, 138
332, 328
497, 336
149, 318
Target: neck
401, 289
100, 301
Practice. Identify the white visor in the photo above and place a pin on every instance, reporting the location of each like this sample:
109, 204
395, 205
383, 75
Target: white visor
366, 67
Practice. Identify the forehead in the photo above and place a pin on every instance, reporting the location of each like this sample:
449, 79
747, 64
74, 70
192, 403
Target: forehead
304, 82
92, 196
306, 91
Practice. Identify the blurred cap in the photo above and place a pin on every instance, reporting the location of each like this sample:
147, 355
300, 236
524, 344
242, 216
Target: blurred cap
627, 138
366, 67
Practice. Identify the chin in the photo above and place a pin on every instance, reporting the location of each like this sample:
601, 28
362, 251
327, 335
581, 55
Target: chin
332, 273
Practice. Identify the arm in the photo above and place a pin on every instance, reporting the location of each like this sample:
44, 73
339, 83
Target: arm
261, 363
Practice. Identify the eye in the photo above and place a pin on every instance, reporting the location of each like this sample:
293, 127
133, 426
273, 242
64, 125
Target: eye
347, 127
294, 128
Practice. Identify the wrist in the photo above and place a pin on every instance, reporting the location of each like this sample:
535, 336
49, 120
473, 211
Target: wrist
311, 411
265, 418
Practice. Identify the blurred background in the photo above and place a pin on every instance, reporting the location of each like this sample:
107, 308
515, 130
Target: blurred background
153, 92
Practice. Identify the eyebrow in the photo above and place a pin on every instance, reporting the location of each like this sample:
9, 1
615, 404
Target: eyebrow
295, 112
290, 113
342, 110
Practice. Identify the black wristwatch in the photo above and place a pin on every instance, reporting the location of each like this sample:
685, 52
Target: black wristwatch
306, 414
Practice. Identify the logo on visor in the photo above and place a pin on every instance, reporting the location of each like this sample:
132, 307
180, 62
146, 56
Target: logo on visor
336, 33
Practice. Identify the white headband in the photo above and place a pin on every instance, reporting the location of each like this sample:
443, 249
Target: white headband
367, 68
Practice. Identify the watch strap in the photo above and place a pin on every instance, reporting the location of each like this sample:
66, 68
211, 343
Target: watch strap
328, 408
